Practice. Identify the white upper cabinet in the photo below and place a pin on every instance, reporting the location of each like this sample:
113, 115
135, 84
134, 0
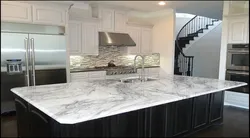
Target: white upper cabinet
23, 12
112, 20
13, 11
83, 38
90, 38
146, 40
135, 34
120, 21
142, 36
238, 30
238, 7
75, 37
49, 15
107, 20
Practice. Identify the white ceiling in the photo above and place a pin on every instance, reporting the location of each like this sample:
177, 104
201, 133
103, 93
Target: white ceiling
212, 9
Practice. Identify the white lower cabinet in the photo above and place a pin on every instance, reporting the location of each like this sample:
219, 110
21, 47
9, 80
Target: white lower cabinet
74, 77
97, 75
154, 72
83, 38
92, 75
150, 72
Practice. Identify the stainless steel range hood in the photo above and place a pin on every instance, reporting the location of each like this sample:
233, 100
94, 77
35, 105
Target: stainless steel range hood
115, 39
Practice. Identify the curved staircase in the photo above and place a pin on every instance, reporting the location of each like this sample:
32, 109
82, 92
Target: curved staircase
184, 64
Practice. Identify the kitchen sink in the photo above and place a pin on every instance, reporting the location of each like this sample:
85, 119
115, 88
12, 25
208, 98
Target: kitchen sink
136, 79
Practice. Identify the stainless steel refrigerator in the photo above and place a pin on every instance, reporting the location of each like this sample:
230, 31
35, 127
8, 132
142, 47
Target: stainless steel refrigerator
30, 55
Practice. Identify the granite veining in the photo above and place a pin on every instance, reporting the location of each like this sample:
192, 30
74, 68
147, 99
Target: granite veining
70, 103
107, 53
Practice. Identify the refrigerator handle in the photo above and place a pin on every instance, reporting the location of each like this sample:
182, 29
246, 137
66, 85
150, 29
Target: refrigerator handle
26, 46
33, 62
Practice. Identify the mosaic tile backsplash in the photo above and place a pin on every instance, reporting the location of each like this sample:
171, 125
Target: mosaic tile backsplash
107, 53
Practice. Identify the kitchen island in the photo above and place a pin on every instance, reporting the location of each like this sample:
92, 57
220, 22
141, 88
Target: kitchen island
169, 106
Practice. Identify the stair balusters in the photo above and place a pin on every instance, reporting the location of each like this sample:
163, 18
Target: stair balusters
183, 63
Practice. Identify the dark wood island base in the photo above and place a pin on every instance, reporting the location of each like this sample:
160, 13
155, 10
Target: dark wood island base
180, 118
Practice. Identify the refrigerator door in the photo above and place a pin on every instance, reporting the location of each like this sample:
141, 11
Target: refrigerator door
12, 47
48, 59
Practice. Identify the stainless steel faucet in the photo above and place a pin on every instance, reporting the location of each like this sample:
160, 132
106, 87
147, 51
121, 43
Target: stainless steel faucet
142, 77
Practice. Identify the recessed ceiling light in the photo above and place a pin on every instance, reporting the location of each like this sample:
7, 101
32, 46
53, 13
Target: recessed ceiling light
162, 3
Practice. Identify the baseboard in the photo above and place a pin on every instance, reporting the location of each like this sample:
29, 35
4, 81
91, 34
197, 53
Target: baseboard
228, 104
237, 99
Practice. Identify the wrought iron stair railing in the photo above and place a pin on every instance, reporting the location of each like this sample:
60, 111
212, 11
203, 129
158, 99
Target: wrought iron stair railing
184, 63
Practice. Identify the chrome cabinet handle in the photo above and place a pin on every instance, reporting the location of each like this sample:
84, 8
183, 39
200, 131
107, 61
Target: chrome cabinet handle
237, 72
33, 61
26, 46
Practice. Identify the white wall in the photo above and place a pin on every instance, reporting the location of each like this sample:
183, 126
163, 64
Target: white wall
181, 20
163, 41
206, 52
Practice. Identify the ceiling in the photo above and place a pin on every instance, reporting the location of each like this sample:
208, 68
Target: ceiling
212, 9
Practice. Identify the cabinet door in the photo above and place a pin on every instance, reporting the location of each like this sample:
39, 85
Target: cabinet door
216, 107
146, 40
182, 117
15, 11
75, 38
237, 30
90, 38
135, 34
48, 15
120, 21
200, 111
39, 123
23, 128
107, 20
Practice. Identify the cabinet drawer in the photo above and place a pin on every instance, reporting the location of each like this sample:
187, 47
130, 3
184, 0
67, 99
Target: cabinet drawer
97, 74
15, 11
140, 70
48, 15
78, 76
153, 70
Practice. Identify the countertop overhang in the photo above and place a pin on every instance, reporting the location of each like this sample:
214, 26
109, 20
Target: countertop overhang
71, 103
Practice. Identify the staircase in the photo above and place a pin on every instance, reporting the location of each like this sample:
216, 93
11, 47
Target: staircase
184, 64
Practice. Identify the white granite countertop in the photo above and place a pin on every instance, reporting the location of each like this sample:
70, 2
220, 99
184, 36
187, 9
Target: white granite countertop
75, 102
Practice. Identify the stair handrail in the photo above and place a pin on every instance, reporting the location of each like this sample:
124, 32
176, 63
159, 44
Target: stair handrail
177, 37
